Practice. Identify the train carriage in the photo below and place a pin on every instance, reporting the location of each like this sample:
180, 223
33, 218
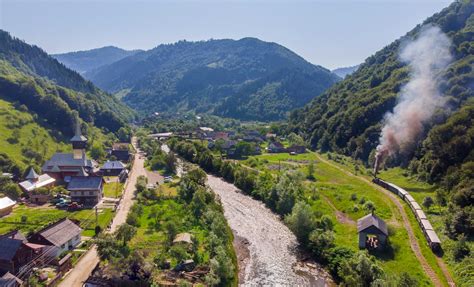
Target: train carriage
432, 238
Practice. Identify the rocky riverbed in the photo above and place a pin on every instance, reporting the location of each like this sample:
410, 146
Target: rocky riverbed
267, 250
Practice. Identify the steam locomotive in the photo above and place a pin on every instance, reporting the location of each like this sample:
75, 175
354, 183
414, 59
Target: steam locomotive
426, 227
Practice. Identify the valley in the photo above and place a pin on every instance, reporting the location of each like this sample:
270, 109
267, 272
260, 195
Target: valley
240, 161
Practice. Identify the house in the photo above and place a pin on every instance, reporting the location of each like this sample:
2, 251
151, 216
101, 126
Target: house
14, 252
33, 182
220, 136
252, 136
63, 235
121, 152
270, 136
6, 205
10, 280
276, 147
372, 231
112, 168
297, 149
86, 190
63, 165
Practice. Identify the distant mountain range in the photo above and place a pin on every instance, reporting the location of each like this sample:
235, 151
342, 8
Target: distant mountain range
345, 71
87, 61
247, 79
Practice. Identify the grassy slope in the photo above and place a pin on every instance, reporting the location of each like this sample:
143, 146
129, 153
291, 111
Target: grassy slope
419, 190
31, 135
337, 187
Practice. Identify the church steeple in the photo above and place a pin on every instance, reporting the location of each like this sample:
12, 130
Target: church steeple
78, 141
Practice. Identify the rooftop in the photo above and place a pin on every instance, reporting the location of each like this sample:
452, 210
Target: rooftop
42, 180
61, 232
9, 247
65, 159
372, 220
113, 165
85, 183
183, 237
6, 202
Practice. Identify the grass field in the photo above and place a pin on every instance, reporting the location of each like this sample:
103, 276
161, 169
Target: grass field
113, 189
346, 194
39, 217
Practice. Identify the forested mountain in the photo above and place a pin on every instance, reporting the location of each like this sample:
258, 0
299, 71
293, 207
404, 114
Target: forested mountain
31, 77
246, 79
86, 61
347, 118
39, 101
345, 71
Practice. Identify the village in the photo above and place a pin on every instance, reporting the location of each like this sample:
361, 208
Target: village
45, 231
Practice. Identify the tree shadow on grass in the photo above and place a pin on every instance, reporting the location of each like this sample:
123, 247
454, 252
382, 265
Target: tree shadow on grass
385, 253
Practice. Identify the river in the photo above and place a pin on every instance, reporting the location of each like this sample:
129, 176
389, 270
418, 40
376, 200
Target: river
267, 250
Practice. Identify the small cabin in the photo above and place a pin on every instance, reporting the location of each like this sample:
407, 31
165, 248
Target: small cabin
373, 232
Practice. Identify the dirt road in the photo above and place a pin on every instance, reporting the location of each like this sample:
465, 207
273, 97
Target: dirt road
272, 247
89, 261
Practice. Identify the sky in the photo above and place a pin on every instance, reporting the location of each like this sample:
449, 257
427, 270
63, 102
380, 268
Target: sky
332, 34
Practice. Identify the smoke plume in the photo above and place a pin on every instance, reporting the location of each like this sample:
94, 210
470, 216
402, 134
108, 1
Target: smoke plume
426, 56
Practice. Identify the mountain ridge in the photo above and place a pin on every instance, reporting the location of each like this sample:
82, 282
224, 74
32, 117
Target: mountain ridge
88, 60
207, 76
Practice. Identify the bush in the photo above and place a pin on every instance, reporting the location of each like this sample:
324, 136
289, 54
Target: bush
300, 221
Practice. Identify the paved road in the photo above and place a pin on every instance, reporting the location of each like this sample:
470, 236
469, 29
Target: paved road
85, 266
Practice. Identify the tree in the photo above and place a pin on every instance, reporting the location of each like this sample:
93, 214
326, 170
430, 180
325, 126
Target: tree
170, 162
360, 270
320, 242
300, 221
125, 232
461, 249
295, 139
140, 186
198, 203
12, 190
124, 134
428, 202
107, 247
171, 231
310, 171
98, 152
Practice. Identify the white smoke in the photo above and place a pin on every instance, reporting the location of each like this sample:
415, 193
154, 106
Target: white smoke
426, 56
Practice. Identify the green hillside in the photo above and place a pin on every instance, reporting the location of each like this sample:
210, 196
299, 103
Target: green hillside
39, 101
246, 79
347, 118
30, 76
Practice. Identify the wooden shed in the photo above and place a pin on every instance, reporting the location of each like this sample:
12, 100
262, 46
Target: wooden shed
372, 231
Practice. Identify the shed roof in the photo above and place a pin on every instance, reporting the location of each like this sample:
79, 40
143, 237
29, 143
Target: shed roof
183, 237
85, 183
42, 180
371, 220
6, 202
61, 232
